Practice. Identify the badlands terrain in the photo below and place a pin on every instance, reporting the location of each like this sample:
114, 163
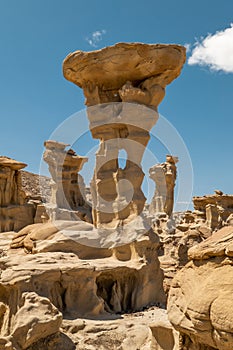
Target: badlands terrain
94, 266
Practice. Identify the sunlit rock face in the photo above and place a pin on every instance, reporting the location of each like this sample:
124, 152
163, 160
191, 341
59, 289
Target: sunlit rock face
68, 198
123, 85
15, 212
164, 176
200, 299
216, 208
64, 167
56, 272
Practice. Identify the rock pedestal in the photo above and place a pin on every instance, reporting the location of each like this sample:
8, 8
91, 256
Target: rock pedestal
111, 267
116, 192
164, 176
119, 81
68, 188
15, 213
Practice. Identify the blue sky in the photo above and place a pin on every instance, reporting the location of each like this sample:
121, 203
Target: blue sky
35, 37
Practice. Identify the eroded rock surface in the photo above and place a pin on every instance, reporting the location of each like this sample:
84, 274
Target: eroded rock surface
126, 77
68, 188
164, 176
15, 212
216, 208
116, 278
98, 272
103, 73
27, 320
200, 299
145, 330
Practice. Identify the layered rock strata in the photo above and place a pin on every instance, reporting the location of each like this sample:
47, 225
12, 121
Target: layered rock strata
216, 208
109, 268
68, 188
114, 78
15, 212
117, 279
164, 176
200, 299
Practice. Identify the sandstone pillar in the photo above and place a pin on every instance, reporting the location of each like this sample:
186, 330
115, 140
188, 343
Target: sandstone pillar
164, 176
123, 86
68, 190
15, 212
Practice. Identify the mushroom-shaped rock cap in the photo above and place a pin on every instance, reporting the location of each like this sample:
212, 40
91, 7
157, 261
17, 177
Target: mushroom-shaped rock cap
111, 67
11, 163
51, 144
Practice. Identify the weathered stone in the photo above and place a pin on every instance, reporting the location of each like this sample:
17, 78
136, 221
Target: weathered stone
216, 208
144, 330
101, 74
68, 189
15, 212
116, 192
200, 299
35, 318
164, 176
10, 182
104, 270
125, 76
115, 278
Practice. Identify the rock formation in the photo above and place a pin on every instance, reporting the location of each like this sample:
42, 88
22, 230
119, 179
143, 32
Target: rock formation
120, 81
34, 316
68, 189
115, 279
67, 283
36, 187
183, 231
200, 299
15, 212
216, 208
164, 176
101, 271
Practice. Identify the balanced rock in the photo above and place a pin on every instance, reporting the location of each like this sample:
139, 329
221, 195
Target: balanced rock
124, 85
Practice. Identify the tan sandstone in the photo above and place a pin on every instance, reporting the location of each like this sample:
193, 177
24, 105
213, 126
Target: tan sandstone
15, 212
119, 76
92, 274
164, 176
200, 300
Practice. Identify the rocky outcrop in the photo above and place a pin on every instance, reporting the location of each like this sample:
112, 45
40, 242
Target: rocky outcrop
216, 208
32, 185
126, 77
144, 330
103, 73
15, 212
34, 318
115, 278
164, 176
116, 192
177, 234
68, 188
200, 300
101, 271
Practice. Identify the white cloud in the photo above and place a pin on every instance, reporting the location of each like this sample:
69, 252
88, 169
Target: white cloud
215, 51
188, 47
96, 37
